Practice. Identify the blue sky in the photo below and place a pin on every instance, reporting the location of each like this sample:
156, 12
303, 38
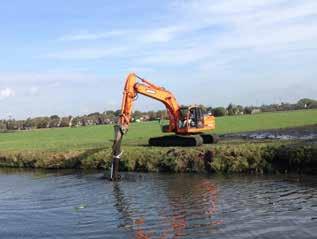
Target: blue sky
72, 57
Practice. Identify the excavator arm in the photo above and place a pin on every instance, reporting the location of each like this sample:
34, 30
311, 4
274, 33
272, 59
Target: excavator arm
146, 88
131, 89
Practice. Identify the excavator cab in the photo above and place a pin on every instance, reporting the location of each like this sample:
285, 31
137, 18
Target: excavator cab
191, 122
191, 117
183, 118
196, 117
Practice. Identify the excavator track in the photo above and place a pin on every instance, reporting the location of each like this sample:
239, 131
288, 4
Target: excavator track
210, 138
177, 140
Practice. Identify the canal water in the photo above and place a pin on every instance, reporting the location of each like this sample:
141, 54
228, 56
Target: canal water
74, 204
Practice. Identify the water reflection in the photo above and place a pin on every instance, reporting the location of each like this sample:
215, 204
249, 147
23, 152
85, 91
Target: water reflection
124, 209
193, 208
187, 205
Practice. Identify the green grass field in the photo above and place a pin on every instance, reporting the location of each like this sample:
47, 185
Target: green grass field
67, 139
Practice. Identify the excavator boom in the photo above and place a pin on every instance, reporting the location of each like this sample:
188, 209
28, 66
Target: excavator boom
146, 88
131, 89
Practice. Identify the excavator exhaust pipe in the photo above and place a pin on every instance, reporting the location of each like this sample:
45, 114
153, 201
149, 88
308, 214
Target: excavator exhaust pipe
116, 153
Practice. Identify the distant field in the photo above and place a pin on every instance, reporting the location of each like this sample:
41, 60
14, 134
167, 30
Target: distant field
64, 139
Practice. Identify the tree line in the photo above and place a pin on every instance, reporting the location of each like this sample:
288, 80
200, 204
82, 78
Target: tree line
232, 109
110, 116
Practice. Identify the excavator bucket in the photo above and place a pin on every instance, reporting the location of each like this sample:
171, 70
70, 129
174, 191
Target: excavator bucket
116, 153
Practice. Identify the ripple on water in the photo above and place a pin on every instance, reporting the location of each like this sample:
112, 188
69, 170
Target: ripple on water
77, 205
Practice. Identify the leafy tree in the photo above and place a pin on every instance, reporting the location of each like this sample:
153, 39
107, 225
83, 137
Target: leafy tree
313, 105
137, 114
219, 111
209, 109
42, 122
152, 115
28, 123
65, 121
239, 109
52, 117
96, 114
54, 121
75, 121
306, 103
162, 114
3, 125
231, 109
204, 108
11, 124
247, 110
117, 113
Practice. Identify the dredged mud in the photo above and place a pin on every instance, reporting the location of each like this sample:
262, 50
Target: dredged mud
294, 133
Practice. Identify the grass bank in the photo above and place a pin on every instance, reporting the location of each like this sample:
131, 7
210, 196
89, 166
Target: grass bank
228, 157
90, 147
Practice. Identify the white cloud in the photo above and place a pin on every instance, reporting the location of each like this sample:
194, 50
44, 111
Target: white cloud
124, 43
269, 23
146, 35
86, 53
177, 56
84, 35
33, 90
50, 78
261, 25
163, 34
7, 92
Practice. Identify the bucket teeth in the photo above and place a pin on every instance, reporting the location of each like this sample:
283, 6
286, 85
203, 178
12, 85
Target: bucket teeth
177, 140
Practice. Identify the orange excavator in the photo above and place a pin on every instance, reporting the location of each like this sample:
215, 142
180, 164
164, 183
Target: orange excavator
187, 123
